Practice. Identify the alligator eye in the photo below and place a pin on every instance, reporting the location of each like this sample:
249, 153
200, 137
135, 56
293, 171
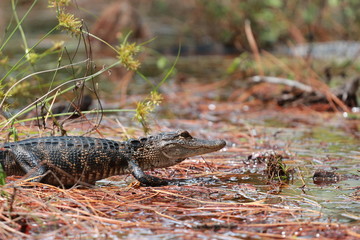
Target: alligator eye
144, 139
135, 142
185, 134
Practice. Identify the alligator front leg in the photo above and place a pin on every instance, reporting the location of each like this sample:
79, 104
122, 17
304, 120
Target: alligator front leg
144, 178
29, 163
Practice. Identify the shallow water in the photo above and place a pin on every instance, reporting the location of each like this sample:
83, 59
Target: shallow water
313, 148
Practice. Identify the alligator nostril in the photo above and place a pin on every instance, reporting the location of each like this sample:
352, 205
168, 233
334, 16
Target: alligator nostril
222, 143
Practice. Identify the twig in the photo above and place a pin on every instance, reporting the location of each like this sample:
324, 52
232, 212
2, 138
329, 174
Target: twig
253, 45
285, 81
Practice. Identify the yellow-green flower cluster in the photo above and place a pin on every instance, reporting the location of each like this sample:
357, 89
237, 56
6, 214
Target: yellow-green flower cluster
32, 57
147, 106
58, 3
69, 22
4, 60
126, 53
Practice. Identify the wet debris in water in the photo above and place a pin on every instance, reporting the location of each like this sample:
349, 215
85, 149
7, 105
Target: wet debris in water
260, 157
215, 227
322, 177
276, 169
356, 195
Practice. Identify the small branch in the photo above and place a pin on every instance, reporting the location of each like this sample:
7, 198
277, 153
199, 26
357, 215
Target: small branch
284, 81
253, 45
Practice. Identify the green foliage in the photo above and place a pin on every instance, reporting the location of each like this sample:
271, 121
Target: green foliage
2, 176
43, 74
274, 21
145, 107
14, 133
276, 169
126, 52
69, 22
149, 104
58, 3
265, 17
161, 63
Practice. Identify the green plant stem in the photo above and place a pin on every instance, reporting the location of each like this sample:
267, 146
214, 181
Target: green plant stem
84, 112
19, 26
155, 88
147, 42
101, 40
145, 78
2, 176
170, 71
34, 74
17, 64
57, 69
46, 98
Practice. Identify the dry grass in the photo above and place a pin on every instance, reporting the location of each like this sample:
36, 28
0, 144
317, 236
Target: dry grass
191, 211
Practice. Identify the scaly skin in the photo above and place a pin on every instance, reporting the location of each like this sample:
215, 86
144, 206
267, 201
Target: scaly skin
68, 160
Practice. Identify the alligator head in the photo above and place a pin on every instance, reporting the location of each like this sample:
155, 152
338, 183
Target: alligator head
170, 148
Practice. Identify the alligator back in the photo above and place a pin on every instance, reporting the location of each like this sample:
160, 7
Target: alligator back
68, 158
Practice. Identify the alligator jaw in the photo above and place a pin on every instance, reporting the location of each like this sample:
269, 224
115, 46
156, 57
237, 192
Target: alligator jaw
192, 147
200, 146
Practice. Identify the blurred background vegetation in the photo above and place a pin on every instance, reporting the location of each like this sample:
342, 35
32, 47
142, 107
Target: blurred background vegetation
273, 22
233, 33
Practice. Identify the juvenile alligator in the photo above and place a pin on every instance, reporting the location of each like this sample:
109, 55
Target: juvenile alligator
68, 160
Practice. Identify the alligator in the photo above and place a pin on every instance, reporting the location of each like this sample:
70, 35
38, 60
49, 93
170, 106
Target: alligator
69, 160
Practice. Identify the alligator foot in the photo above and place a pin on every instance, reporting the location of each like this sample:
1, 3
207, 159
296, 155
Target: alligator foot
143, 178
151, 181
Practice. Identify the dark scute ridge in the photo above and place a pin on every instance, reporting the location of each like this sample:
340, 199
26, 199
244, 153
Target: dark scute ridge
135, 143
68, 141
